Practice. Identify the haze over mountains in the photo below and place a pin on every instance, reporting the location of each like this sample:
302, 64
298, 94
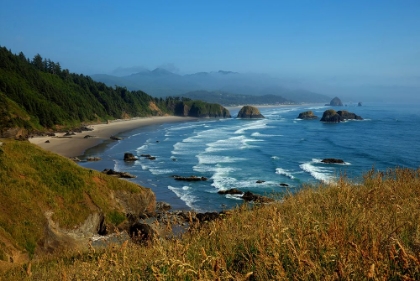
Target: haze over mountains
162, 83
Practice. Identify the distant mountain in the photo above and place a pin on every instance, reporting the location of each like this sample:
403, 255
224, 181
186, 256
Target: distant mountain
229, 99
163, 83
37, 95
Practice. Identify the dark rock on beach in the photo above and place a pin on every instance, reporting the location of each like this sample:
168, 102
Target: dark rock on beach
93, 158
129, 157
260, 181
307, 115
115, 138
249, 112
284, 184
141, 232
332, 161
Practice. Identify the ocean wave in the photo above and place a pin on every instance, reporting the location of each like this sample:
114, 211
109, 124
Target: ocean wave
259, 124
258, 134
234, 197
183, 127
319, 173
284, 172
157, 171
143, 147
184, 193
214, 159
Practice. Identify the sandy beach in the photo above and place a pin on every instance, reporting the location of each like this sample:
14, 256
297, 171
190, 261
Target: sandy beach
76, 145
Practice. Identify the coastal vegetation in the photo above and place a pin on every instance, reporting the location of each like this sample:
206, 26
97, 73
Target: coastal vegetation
37, 95
367, 230
35, 183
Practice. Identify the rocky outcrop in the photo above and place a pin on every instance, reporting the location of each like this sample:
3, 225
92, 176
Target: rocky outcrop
111, 172
359, 104
332, 161
93, 158
115, 138
75, 239
190, 178
231, 191
336, 102
332, 116
307, 115
249, 112
201, 109
251, 197
129, 157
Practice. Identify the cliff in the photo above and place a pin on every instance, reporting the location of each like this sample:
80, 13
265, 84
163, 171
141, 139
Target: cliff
201, 109
49, 202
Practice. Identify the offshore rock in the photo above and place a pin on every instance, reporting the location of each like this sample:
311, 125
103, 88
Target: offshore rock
111, 172
307, 115
336, 102
249, 112
129, 157
250, 197
231, 191
332, 116
332, 161
190, 178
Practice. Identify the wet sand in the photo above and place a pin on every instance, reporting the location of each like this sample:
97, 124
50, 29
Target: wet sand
76, 145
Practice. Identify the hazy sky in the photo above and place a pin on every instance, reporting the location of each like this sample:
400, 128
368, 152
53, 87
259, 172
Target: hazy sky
297, 38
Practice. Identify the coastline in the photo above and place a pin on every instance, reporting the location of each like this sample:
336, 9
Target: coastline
77, 144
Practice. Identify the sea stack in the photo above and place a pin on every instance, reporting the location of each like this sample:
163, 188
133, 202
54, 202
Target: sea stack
249, 112
336, 102
307, 115
332, 116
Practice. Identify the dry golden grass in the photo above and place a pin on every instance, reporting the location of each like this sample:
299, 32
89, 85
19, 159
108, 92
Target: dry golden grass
346, 231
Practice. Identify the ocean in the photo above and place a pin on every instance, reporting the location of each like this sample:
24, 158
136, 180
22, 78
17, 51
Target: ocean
280, 149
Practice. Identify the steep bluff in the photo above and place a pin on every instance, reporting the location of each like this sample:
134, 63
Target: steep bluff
49, 202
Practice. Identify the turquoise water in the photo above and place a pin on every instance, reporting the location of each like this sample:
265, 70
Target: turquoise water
235, 153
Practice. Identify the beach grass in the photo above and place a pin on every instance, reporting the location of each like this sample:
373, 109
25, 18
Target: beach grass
368, 230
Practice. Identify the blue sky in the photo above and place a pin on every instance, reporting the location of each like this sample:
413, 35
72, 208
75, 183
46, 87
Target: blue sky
291, 38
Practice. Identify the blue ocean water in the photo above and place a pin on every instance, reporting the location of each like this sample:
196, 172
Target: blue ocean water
235, 153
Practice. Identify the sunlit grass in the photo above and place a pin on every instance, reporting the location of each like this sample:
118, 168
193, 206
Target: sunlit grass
345, 231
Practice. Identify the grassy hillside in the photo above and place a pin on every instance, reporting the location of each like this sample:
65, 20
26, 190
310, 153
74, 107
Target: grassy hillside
33, 182
347, 231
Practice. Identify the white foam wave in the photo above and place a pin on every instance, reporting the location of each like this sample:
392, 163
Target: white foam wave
317, 172
284, 172
234, 196
214, 159
178, 128
260, 124
157, 171
258, 134
184, 193
143, 147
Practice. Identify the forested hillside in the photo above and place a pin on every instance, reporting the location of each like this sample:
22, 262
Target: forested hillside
37, 94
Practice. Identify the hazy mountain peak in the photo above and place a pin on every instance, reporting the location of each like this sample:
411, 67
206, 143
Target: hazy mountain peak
227, 72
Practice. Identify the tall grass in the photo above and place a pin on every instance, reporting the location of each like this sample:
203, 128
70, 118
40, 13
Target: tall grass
345, 231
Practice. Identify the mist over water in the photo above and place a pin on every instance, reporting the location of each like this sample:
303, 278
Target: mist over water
235, 153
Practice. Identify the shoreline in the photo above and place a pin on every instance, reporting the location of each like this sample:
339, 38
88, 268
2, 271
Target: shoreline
76, 145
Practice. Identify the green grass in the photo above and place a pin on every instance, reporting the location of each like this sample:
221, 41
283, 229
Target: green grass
344, 231
34, 181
